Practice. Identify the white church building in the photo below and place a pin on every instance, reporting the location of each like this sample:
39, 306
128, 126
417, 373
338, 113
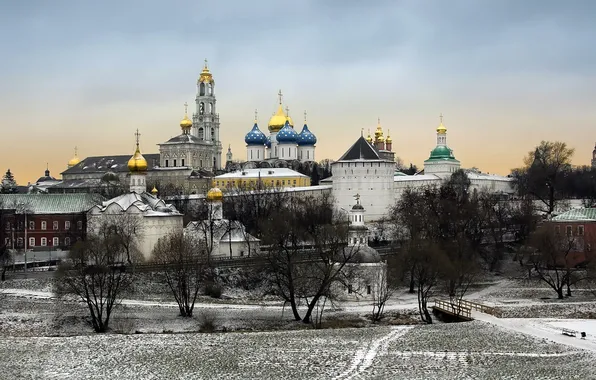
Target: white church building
150, 216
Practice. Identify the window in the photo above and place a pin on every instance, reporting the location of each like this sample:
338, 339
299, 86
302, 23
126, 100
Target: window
44, 225
67, 225
79, 225
67, 241
569, 230
31, 242
55, 242
31, 225
44, 242
368, 289
174, 162
166, 163
241, 253
55, 224
580, 230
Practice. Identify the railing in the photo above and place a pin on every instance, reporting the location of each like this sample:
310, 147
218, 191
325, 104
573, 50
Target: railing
452, 308
478, 307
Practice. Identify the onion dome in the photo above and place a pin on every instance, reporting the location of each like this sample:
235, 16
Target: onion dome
369, 138
214, 195
287, 134
268, 142
185, 124
255, 136
206, 76
75, 160
441, 152
306, 137
388, 140
154, 191
379, 130
137, 162
278, 120
441, 128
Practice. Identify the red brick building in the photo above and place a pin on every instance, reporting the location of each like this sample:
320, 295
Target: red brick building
577, 226
44, 221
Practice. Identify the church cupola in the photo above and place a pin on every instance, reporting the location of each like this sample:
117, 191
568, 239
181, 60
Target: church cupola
137, 165
214, 200
358, 233
388, 142
379, 139
229, 154
306, 141
255, 143
441, 162
186, 124
74, 161
279, 118
286, 139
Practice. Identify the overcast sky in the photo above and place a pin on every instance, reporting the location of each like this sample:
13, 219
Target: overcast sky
505, 74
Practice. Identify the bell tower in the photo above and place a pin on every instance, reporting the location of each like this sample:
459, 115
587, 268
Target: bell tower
206, 119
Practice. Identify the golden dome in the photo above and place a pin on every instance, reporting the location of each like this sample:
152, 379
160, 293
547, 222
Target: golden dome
154, 190
206, 76
380, 139
185, 123
379, 130
441, 129
278, 120
137, 162
214, 194
75, 160
388, 139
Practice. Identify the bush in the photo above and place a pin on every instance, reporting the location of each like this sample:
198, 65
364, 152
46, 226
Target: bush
213, 290
207, 322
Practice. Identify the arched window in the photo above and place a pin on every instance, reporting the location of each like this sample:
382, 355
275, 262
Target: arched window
202, 89
201, 108
212, 134
201, 133
210, 89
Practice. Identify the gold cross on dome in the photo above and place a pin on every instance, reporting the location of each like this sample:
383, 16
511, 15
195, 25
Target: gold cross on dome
441, 117
185, 108
287, 111
357, 197
280, 95
137, 135
304, 116
256, 115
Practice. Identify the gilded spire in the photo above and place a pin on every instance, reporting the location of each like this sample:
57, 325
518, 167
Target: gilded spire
185, 124
441, 128
137, 162
75, 160
206, 76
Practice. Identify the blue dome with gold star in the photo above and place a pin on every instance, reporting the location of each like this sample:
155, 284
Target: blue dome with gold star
255, 136
306, 137
287, 134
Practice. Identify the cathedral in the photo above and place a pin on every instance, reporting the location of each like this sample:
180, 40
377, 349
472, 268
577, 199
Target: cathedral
284, 144
185, 163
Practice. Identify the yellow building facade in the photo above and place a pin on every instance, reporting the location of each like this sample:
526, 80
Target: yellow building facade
260, 178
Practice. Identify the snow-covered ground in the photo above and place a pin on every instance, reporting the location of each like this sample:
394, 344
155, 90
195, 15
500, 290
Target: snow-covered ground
474, 350
532, 347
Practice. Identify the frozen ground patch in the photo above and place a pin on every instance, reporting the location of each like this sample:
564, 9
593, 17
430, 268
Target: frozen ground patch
474, 350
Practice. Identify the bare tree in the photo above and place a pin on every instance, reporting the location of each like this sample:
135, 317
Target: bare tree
381, 294
542, 177
429, 263
125, 229
93, 272
552, 259
182, 260
496, 217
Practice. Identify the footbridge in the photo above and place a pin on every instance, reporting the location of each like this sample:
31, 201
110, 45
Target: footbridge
460, 310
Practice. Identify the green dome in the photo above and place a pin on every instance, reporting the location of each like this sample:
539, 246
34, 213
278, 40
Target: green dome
441, 152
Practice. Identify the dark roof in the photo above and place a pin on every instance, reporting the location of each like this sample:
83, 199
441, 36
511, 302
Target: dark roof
183, 138
87, 183
51, 203
114, 163
361, 150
